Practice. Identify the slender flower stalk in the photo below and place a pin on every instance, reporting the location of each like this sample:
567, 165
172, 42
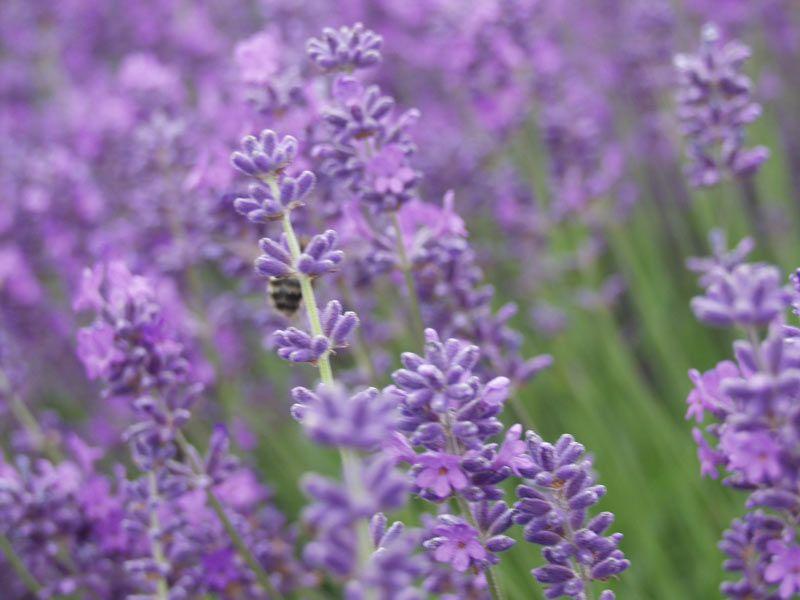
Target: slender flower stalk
33, 586
162, 587
266, 159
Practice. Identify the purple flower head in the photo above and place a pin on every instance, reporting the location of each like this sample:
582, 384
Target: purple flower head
345, 49
389, 180
748, 295
784, 568
746, 546
721, 259
707, 394
260, 205
395, 566
332, 417
553, 508
714, 106
756, 455
368, 150
512, 453
710, 459
442, 383
295, 345
337, 325
276, 260
320, 255
441, 474
265, 156
130, 345
457, 543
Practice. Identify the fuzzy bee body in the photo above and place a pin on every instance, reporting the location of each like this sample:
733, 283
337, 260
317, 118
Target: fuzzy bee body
285, 294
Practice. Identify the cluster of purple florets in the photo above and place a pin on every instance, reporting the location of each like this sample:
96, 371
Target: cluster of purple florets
747, 416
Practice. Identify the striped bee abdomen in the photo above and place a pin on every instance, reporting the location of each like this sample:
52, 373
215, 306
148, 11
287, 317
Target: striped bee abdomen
285, 294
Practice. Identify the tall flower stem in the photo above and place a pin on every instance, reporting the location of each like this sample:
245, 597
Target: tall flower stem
162, 588
350, 460
411, 288
241, 546
16, 563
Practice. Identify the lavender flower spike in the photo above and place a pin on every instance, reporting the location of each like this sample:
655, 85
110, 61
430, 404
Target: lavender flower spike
345, 49
553, 508
714, 106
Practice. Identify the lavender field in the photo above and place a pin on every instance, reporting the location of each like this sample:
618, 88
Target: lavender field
399, 299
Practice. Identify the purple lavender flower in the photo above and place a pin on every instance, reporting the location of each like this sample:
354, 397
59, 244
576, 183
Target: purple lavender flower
784, 568
332, 417
748, 295
320, 256
295, 345
721, 258
554, 506
54, 512
265, 155
746, 544
714, 106
337, 324
345, 49
395, 567
259, 205
441, 473
457, 543
752, 433
369, 148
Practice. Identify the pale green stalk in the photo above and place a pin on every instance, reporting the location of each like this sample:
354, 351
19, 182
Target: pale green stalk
238, 542
349, 458
162, 588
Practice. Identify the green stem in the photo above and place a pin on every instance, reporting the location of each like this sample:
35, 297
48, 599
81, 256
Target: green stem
241, 547
310, 301
162, 589
411, 287
16, 562
350, 460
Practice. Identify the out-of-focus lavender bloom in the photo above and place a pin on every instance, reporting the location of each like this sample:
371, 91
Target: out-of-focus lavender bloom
752, 433
748, 295
721, 259
369, 146
554, 506
395, 567
52, 511
296, 345
745, 545
345, 49
714, 106
337, 324
331, 417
